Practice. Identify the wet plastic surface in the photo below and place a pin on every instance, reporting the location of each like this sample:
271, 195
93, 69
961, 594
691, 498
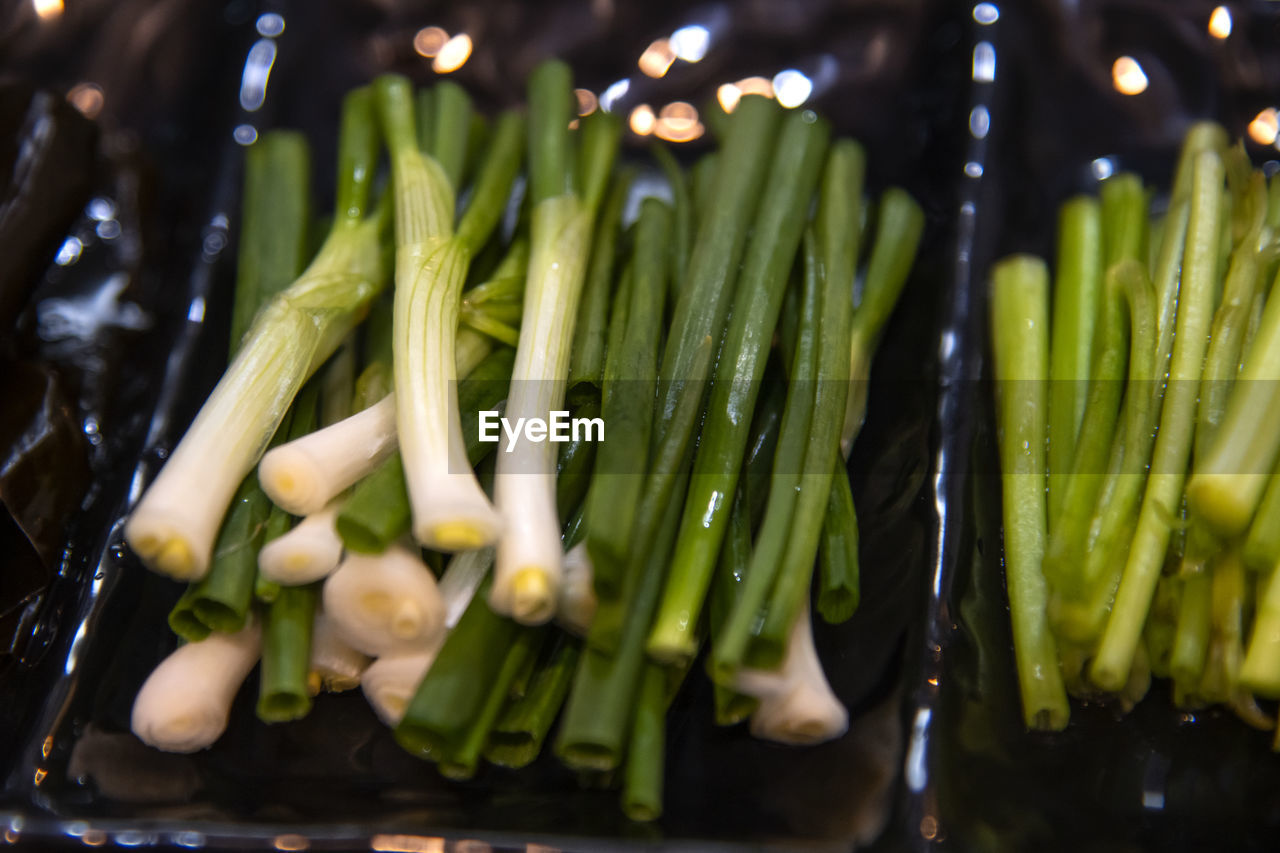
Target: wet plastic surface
896, 76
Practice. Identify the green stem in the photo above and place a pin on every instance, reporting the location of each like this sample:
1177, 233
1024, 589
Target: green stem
286, 654
1110, 669
1191, 640
450, 126
791, 589
459, 682
642, 782
1019, 332
793, 176
630, 379
1075, 310
522, 728
899, 229
703, 306
1124, 219
599, 710
838, 569
668, 476
1125, 333
1261, 670
682, 230
550, 109
1262, 544
461, 761
1228, 486
732, 707
378, 512
587, 357
730, 646
493, 184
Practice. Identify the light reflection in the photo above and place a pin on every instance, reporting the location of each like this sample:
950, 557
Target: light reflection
40, 774
94, 838
99, 209
986, 13
270, 25
929, 828
453, 54
1102, 168
428, 41
691, 43
1220, 22
47, 9
69, 252
87, 98
755, 86
678, 122
792, 88
728, 95
406, 844
657, 58
616, 92
979, 122
257, 71
1265, 127
973, 169
245, 134
984, 62
1128, 76
642, 120
587, 102
291, 842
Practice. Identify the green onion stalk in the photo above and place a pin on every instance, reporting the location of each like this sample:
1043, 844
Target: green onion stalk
628, 386
1019, 328
793, 176
1110, 668
1125, 333
1075, 313
378, 512
173, 527
529, 558
731, 645
273, 251
837, 220
450, 510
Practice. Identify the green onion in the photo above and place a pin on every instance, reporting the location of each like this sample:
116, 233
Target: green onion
1075, 310
378, 511
899, 229
520, 731
836, 223
1228, 486
838, 569
283, 692
1019, 325
642, 780
793, 176
526, 577
1110, 669
450, 510
730, 645
628, 388
171, 529
458, 683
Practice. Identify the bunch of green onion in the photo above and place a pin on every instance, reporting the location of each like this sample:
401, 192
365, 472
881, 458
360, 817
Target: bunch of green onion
479, 592
1138, 446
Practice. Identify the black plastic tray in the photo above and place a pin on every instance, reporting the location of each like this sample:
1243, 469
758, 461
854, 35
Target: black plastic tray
1158, 778
336, 780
